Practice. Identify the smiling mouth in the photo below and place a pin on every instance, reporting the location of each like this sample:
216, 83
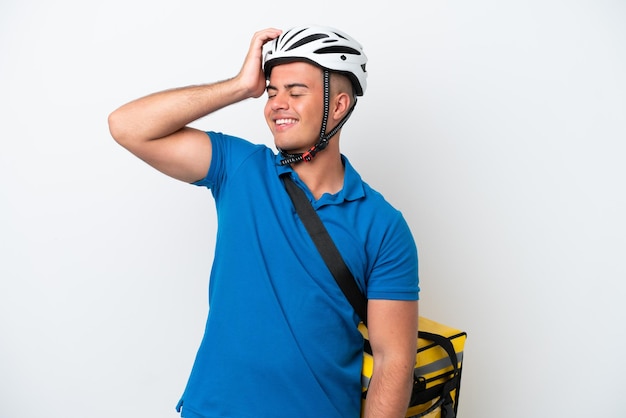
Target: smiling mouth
285, 121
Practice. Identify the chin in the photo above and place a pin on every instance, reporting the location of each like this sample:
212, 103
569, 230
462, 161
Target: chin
293, 146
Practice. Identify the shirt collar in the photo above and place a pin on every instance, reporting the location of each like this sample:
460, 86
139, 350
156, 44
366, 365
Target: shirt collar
352, 183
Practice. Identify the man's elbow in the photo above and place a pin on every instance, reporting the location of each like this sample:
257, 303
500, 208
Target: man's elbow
119, 128
115, 128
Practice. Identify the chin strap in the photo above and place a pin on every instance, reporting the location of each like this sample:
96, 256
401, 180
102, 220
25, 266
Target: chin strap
324, 137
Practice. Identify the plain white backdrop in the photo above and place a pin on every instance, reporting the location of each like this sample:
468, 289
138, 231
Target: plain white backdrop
497, 128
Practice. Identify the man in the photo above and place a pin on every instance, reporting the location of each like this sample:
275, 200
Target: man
281, 339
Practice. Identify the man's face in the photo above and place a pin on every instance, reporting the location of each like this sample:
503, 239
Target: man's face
295, 104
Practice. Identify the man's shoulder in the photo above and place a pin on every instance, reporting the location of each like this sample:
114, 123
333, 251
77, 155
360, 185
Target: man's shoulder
377, 199
233, 141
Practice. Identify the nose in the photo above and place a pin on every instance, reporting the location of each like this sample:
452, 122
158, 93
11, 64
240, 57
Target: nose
279, 102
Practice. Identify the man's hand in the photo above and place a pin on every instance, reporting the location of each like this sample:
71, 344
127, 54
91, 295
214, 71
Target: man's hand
251, 75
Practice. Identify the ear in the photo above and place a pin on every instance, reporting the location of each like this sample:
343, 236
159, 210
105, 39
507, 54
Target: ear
341, 104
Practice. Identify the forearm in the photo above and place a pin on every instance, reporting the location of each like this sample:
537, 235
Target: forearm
389, 391
163, 113
392, 328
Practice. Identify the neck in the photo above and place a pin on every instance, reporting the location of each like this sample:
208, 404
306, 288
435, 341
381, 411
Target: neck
323, 174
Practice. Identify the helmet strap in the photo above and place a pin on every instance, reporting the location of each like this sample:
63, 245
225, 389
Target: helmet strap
324, 137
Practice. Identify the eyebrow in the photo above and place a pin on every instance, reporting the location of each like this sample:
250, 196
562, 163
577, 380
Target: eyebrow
287, 86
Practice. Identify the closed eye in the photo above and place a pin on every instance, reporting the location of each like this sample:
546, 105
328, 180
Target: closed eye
295, 90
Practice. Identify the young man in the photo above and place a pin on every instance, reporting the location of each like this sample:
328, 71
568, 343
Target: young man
281, 339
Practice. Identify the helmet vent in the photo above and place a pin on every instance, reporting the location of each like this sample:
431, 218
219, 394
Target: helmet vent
338, 49
307, 40
341, 36
282, 38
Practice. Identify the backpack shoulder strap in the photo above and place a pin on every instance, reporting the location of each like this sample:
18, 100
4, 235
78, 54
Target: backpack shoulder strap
327, 248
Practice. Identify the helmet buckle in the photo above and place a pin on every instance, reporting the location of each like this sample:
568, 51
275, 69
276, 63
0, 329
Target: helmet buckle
308, 156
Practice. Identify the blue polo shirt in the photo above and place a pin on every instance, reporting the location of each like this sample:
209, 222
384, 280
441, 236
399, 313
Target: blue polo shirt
281, 339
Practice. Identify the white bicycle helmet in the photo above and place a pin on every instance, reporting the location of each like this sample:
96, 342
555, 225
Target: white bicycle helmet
323, 46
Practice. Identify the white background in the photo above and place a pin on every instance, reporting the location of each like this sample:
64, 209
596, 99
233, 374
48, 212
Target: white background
496, 127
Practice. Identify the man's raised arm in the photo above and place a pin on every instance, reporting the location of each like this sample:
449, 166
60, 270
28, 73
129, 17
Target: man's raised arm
154, 127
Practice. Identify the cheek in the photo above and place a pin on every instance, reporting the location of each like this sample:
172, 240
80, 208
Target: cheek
314, 116
266, 112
